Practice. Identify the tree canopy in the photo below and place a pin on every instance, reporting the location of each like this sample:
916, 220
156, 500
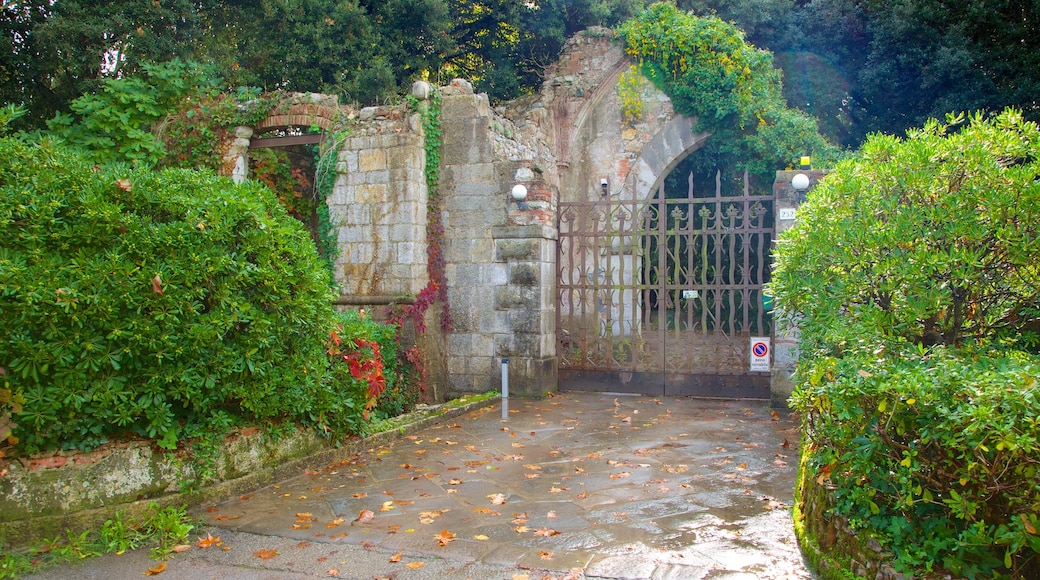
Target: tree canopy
858, 66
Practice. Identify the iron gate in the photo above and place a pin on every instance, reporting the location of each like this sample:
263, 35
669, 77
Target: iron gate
662, 296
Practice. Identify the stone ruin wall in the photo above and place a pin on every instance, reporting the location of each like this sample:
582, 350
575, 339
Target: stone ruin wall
501, 256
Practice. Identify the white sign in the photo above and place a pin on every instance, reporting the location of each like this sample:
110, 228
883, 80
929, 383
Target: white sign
759, 353
787, 213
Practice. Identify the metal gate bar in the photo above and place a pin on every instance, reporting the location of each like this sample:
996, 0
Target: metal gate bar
662, 296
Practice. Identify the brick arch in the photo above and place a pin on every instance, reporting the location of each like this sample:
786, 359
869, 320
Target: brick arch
301, 115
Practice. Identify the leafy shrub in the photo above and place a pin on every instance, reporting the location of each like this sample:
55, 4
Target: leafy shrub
118, 119
913, 276
366, 356
937, 451
731, 87
154, 303
934, 238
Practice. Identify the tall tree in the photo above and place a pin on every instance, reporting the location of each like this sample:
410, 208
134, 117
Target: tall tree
62, 49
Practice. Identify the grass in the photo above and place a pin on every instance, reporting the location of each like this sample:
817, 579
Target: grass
161, 528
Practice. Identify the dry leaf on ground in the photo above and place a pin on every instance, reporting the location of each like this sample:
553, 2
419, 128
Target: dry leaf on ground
265, 554
365, 516
444, 537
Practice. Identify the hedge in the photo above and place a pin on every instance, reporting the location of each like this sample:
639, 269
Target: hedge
155, 304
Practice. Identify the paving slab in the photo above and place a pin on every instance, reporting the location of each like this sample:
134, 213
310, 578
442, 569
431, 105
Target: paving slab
579, 485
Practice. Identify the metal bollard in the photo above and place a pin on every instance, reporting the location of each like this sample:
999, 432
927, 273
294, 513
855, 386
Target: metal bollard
505, 388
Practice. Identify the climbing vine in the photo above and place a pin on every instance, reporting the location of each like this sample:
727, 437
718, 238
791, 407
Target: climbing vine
193, 135
437, 288
629, 90
326, 158
731, 87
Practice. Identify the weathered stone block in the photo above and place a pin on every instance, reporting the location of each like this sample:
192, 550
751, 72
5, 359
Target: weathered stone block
524, 274
370, 193
517, 250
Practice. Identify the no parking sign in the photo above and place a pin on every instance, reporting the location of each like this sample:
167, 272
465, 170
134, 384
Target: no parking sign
759, 353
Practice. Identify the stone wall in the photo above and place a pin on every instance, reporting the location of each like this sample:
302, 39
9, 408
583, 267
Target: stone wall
563, 144
500, 260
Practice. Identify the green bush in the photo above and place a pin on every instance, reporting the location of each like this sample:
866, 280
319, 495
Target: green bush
914, 278
367, 360
937, 451
157, 304
934, 238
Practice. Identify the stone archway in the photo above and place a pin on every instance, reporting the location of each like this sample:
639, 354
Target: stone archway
656, 293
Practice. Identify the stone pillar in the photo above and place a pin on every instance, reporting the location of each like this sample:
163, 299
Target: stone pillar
500, 258
785, 334
235, 161
526, 303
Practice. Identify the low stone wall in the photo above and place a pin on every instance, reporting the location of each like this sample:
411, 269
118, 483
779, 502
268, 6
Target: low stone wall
43, 496
834, 550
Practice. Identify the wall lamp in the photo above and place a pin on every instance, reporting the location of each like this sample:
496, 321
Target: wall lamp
800, 182
604, 186
519, 194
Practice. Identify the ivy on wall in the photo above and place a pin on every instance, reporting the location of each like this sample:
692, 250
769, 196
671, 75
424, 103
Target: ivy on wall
731, 87
436, 289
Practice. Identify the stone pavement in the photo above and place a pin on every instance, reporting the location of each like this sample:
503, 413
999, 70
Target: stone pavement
580, 485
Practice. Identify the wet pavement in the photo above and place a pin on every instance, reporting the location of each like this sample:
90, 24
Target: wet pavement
580, 485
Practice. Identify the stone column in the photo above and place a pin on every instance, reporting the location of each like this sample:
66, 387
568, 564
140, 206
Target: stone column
500, 257
235, 161
785, 334
526, 303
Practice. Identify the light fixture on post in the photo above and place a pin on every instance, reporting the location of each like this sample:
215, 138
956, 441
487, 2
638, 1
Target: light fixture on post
519, 194
800, 182
604, 186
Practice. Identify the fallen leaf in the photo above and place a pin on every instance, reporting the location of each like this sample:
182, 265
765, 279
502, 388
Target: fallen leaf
481, 537
533, 467
387, 506
545, 555
444, 537
360, 495
551, 515
157, 285
208, 541
365, 516
181, 548
335, 523
157, 570
621, 475
332, 572
301, 526
521, 576
546, 532
265, 554
125, 185
521, 529
825, 473
415, 565
497, 498
532, 475
487, 511
305, 517
1028, 525
583, 494
454, 481
397, 557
